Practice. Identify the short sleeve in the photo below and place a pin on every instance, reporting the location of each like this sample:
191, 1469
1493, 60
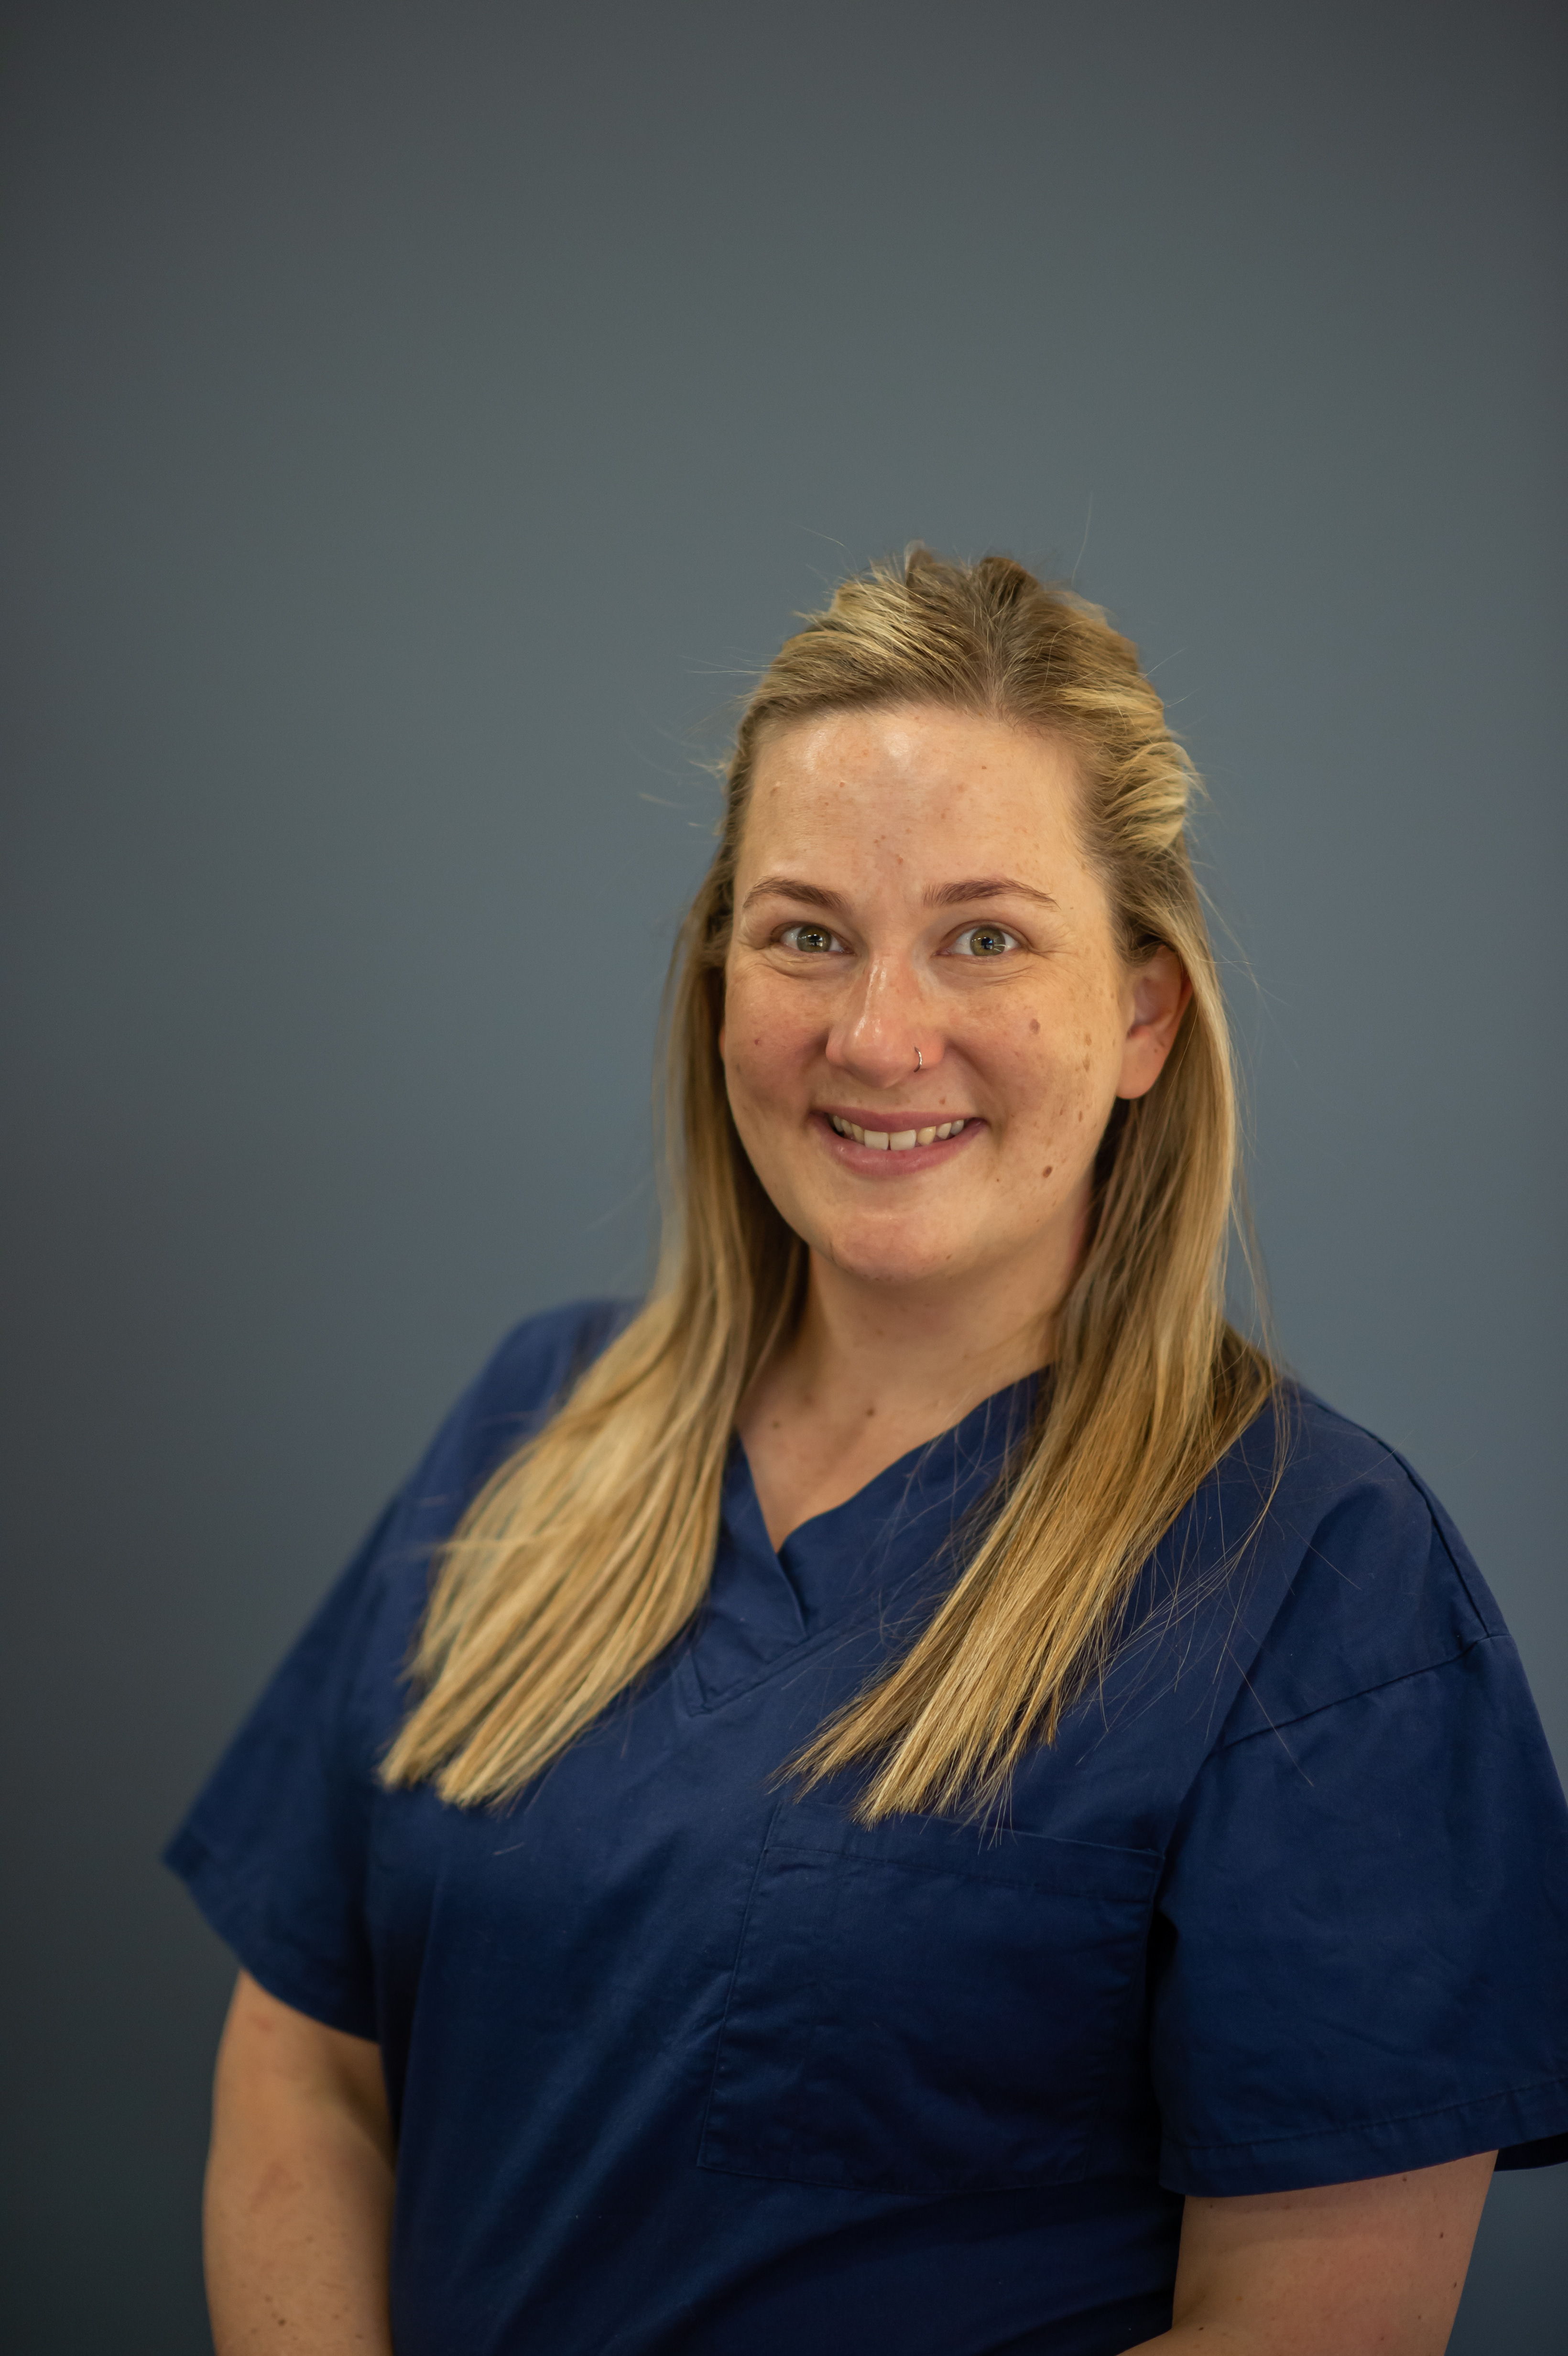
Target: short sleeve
1361, 1940
274, 1851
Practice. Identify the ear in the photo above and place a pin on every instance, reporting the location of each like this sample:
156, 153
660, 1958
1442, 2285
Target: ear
1159, 997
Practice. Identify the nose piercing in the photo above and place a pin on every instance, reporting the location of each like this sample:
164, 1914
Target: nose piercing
919, 1061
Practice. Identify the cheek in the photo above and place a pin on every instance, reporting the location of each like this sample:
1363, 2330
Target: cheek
763, 1031
1068, 1064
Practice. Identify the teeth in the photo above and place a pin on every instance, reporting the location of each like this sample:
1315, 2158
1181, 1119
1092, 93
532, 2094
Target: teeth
897, 1140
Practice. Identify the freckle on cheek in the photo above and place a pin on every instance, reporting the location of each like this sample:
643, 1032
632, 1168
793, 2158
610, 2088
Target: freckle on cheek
1047, 1171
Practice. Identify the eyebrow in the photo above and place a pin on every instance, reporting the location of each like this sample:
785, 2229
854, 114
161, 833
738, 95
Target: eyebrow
940, 895
986, 887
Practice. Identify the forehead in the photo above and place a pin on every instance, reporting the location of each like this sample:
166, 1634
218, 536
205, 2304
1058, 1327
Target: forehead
910, 779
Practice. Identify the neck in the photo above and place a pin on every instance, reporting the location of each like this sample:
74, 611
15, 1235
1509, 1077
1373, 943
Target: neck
875, 1369
918, 1356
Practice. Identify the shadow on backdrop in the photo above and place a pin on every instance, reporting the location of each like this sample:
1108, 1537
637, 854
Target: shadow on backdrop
419, 422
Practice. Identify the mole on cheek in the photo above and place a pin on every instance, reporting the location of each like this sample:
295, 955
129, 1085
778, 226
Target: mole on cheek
1034, 1023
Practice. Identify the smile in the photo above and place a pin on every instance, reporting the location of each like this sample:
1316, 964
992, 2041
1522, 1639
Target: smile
895, 1140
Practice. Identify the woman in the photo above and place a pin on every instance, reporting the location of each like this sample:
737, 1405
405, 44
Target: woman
938, 1804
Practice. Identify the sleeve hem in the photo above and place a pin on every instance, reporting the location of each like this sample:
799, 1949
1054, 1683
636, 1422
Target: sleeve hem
305, 1982
1506, 2123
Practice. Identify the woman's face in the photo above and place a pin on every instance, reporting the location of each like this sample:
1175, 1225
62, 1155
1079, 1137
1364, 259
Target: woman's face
909, 886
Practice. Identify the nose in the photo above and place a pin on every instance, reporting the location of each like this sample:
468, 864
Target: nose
883, 1034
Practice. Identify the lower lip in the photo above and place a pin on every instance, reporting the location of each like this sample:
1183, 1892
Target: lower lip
881, 1161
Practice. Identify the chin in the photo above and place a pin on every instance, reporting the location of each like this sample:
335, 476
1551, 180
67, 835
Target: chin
890, 1259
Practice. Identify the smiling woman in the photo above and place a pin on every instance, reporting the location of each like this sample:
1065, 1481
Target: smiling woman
939, 1802
932, 724
980, 1155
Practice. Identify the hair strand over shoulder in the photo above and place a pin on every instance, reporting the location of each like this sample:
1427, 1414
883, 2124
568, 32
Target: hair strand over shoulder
590, 1550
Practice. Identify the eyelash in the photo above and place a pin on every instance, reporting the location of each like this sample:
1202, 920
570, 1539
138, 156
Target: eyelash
1001, 931
788, 939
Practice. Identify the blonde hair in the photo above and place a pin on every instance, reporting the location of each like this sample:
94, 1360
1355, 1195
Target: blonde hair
590, 1550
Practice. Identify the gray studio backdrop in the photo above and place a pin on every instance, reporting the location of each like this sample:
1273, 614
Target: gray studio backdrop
419, 420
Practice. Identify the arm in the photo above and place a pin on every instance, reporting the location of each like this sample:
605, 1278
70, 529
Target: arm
1369, 2269
298, 2208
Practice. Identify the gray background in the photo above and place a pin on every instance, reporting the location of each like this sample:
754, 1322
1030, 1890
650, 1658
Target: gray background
418, 419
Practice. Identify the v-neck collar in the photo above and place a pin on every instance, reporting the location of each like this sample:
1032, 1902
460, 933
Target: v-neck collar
764, 1603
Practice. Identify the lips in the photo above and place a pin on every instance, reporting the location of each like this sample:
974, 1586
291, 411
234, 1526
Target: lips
894, 1140
875, 1144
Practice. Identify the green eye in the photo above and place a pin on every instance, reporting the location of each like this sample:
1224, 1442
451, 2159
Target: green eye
984, 940
815, 940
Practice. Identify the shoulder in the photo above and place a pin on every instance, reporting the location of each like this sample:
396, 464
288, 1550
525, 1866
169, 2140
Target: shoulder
1373, 1582
525, 1378
368, 1619
535, 1366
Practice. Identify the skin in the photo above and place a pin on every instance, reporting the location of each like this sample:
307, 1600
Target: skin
935, 1280
1368, 2269
914, 879
297, 2217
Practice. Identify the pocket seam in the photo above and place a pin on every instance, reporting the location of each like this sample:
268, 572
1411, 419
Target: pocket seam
961, 1873
802, 2171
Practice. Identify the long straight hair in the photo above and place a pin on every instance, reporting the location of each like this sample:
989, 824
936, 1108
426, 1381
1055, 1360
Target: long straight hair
591, 1550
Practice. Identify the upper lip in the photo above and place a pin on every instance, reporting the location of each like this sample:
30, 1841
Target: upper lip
901, 1116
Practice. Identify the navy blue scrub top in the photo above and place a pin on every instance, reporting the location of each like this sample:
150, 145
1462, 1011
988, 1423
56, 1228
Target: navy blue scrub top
682, 2062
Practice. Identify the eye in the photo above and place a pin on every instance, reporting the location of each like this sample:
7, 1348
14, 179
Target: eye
985, 941
811, 940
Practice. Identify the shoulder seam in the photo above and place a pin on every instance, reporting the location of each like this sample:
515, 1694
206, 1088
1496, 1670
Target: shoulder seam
1378, 1685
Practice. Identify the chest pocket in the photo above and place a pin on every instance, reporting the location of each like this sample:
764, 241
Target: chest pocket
919, 2006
